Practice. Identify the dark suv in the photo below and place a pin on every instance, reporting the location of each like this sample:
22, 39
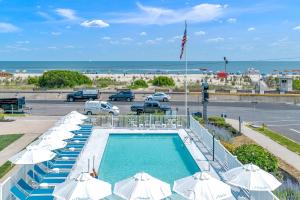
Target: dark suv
126, 95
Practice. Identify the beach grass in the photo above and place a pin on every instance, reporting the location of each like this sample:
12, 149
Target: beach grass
6, 140
6, 167
280, 139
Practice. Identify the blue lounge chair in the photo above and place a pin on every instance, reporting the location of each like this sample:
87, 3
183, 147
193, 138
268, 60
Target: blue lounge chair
38, 179
42, 173
59, 166
30, 190
22, 196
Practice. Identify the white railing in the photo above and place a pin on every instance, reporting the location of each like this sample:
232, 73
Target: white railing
223, 156
140, 121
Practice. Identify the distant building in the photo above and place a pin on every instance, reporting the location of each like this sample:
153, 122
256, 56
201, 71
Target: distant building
285, 83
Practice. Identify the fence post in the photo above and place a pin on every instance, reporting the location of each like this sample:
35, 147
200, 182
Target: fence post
213, 147
112, 121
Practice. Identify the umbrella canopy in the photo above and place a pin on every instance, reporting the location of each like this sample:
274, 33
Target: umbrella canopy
70, 119
252, 178
83, 187
77, 115
202, 186
142, 186
67, 127
48, 142
32, 155
60, 134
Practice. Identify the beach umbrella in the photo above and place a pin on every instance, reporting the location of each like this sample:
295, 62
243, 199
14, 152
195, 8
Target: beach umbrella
69, 120
252, 178
77, 115
200, 186
142, 186
32, 155
60, 134
48, 142
82, 187
67, 127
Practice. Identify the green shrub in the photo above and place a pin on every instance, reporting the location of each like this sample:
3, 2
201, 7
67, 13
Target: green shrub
105, 82
163, 81
63, 79
252, 153
33, 80
221, 123
139, 83
296, 84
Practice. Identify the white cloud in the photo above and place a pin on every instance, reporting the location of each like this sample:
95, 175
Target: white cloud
8, 28
232, 20
56, 33
156, 15
154, 41
296, 28
200, 33
69, 46
251, 29
45, 15
106, 38
95, 23
173, 39
52, 47
113, 42
127, 39
17, 47
215, 40
143, 34
23, 42
67, 13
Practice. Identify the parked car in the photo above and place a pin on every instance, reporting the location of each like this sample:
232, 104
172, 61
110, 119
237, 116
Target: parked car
83, 95
126, 95
13, 105
150, 107
98, 107
158, 96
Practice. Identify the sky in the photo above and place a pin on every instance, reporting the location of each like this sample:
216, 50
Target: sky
119, 30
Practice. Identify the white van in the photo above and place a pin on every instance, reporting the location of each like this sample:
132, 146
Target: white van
98, 107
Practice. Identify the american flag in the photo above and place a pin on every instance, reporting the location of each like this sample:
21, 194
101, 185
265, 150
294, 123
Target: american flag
183, 42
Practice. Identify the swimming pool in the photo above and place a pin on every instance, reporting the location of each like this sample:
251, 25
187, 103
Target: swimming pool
163, 156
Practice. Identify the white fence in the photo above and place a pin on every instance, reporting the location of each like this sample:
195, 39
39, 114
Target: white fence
223, 156
140, 121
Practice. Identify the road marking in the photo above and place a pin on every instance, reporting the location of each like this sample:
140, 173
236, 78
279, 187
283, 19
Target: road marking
294, 130
283, 124
290, 120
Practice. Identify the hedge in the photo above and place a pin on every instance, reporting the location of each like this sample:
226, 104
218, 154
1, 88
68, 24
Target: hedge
252, 153
63, 79
139, 83
163, 81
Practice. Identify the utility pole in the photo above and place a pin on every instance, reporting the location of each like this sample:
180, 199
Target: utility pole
205, 97
225, 63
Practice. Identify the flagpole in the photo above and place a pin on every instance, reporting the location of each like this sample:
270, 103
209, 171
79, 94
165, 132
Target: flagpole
186, 87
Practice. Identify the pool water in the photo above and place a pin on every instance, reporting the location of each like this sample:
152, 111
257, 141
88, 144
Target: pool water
163, 156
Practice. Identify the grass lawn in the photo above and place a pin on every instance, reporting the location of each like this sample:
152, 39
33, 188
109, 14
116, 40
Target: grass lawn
5, 168
6, 140
280, 139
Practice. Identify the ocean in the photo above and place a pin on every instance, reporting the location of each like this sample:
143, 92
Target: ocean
132, 67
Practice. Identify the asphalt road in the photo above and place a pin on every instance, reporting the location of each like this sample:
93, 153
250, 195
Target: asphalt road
283, 118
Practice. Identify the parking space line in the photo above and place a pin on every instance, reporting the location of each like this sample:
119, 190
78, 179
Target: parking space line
294, 130
284, 120
283, 125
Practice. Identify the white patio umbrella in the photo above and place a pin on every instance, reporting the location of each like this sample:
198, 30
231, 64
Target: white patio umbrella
48, 142
200, 186
142, 186
60, 134
32, 155
83, 187
77, 114
67, 127
70, 120
252, 178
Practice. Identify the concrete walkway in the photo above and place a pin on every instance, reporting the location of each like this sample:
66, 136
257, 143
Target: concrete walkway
31, 127
278, 150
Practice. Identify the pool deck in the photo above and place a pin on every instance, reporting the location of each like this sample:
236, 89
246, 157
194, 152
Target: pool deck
96, 144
